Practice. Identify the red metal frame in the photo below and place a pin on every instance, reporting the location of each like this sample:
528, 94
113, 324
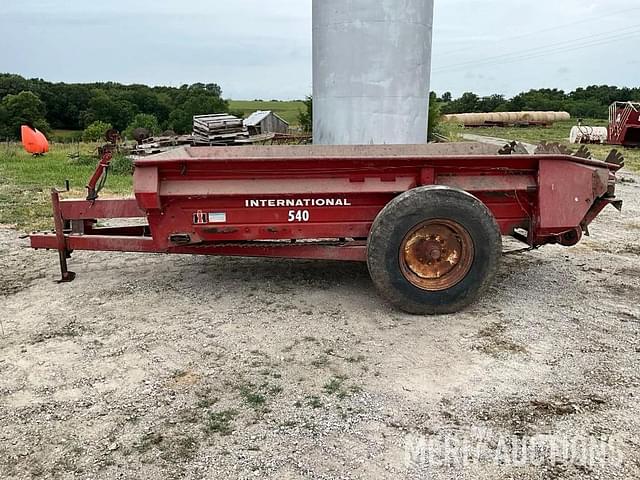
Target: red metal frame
624, 124
320, 202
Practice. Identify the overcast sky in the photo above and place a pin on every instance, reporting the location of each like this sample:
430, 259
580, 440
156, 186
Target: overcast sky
262, 49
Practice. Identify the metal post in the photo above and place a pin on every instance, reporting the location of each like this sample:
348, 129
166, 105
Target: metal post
63, 253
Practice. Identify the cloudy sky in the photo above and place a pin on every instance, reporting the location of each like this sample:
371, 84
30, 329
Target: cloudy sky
262, 49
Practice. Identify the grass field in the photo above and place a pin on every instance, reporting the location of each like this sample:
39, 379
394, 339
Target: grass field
67, 134
287, 110
26, 182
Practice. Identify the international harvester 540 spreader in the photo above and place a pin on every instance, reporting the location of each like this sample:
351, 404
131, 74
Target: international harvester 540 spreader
428, 219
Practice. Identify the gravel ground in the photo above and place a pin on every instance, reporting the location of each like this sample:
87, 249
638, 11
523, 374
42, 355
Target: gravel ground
185, 367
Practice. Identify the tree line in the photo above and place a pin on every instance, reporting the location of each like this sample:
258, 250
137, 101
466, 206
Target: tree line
68, 106
589, 102
95, 107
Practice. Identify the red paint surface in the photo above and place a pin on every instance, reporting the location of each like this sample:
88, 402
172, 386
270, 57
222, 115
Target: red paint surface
177, 192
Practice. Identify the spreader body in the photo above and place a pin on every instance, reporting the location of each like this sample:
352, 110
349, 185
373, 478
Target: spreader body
322, 202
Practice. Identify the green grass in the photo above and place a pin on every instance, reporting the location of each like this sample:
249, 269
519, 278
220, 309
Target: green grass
26, 182
220, 423
66, 134
334, 385
257, 396
559, 132
314, 401
287, 110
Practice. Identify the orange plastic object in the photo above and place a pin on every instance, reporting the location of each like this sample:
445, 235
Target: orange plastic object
34, 141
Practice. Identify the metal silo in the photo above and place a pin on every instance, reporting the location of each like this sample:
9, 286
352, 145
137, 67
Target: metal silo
371, 71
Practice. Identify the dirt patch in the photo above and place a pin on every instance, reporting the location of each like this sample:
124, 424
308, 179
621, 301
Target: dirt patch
494, 340
626, 249
12, 283
530, 417
66, 329
186, 367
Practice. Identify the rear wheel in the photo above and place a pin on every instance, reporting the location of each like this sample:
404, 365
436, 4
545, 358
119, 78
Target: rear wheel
434, 250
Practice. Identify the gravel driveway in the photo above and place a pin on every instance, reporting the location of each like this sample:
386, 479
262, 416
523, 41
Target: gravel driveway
185, 367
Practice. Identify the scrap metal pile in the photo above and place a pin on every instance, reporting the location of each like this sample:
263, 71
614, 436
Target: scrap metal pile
153, 145
219, 129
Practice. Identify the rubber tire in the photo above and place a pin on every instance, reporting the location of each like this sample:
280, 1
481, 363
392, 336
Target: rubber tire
403, 214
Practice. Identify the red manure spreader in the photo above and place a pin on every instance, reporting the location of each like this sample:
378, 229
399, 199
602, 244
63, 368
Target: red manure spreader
428, 219
624, 124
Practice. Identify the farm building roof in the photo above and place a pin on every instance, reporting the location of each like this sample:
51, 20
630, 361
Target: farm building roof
258, 117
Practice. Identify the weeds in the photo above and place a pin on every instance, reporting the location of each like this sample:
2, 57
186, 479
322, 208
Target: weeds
220, 422
254, 399
314, 401
176, 449
255, 396
121, 165
336, 386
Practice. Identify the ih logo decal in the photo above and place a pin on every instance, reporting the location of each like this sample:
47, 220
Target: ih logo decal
200, 218
207, 218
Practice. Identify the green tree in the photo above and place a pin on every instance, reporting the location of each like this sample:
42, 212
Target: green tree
76, 106
434, 116
492, 103
4, 123
469, 102
96, 131
116, 111
197, 102
543, 99
143, 120
180, 121
305, 117
12, 84
25, 108
86, 118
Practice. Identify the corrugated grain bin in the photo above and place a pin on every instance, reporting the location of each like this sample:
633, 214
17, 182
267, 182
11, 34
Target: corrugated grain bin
371, 71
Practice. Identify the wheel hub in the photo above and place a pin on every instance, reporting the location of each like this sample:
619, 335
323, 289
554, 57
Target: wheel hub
436, 255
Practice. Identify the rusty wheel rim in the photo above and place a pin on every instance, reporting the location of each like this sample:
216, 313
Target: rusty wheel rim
436, 255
